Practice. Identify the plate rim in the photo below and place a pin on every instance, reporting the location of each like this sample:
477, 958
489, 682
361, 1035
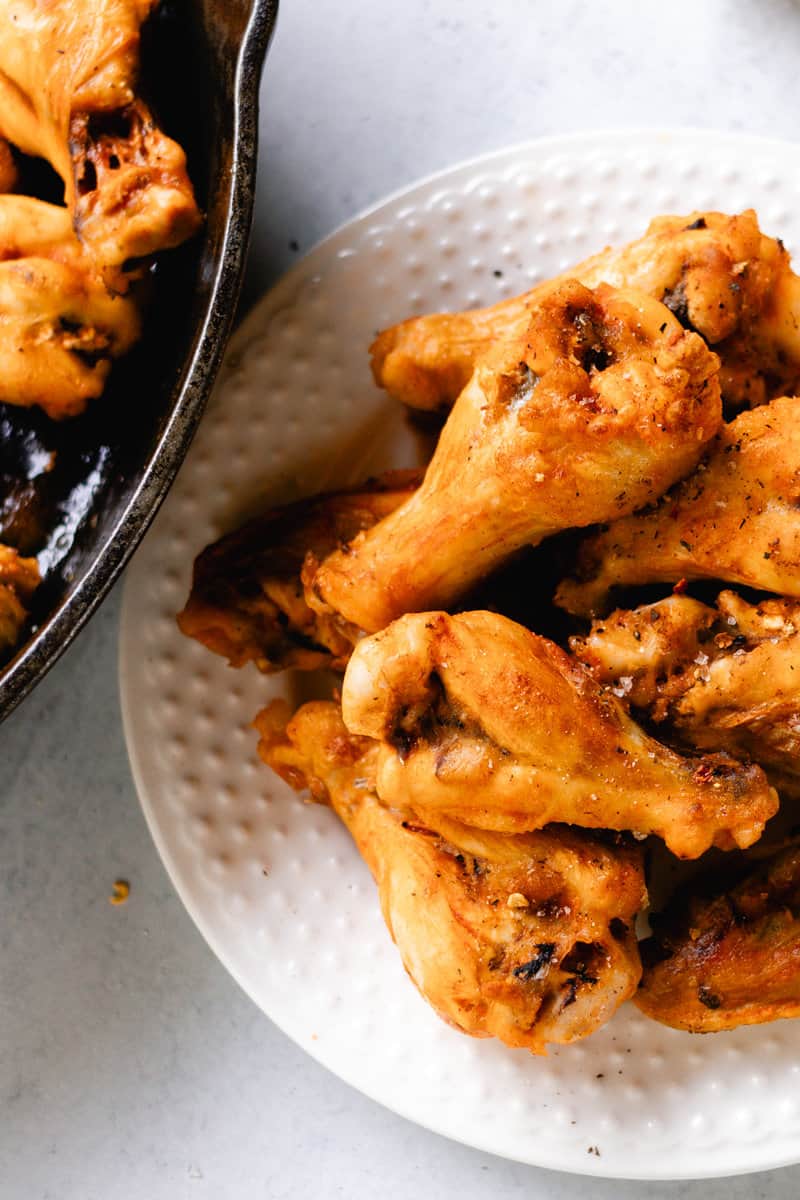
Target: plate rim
270, 301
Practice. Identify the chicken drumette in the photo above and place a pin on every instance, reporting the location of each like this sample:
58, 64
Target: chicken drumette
730, 959
720, 275
598, 407
527, 938
483, 721
736, 518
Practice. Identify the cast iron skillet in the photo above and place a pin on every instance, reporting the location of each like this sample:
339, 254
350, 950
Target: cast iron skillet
80, 494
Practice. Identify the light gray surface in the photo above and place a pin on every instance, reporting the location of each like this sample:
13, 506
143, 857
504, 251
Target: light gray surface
130, 1064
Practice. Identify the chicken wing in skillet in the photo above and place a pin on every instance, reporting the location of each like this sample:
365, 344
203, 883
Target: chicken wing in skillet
68, 93
527, 938
737, 518
724, 678
60, 326
719, 274
730, 959
594, 411
248, 599
19, 578
485, 722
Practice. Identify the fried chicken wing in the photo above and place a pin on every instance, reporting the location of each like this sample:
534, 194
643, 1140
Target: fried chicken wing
724, 678
731, 959
60, 327
19, 579
593, 412
719, 274
489, 724
527, 938
68, 80
248, 600
737, 518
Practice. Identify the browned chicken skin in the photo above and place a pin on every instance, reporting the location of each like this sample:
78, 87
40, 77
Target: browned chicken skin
528, 937
724, 678
719, 274
248, 600
594, 411
483, 721
737, 518
730, 960
19, 578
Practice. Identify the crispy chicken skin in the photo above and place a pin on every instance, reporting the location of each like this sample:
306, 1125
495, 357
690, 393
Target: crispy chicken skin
527, 938
719, 274
483, 721
60, 327
731, 959
68, 79
595, 410
724, 678
248, 600
737, 518
19, 578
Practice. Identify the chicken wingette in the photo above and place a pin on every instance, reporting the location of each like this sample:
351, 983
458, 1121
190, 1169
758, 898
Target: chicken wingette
481, 720
724, 678
527, 938
597, 408
729, 959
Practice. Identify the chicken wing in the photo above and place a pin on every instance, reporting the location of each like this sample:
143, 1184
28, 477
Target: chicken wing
731, 959
737, 518
527, 938
719, 274
60, 327
489, 724
601, 405
68, 79
248, 600
19, 578
724, 678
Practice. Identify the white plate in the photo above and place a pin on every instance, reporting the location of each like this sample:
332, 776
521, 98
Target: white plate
275, 885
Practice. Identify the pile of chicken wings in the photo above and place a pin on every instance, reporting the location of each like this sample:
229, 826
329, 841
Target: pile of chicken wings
505, 790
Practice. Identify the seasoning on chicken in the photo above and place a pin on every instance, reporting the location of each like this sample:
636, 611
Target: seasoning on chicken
483, 721
736, 518
595, 410
719, 274
724, 678
730, 959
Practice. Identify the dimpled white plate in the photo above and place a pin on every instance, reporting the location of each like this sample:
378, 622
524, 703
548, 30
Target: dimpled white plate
274, 884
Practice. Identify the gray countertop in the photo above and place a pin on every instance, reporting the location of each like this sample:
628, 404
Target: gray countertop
130, 1062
